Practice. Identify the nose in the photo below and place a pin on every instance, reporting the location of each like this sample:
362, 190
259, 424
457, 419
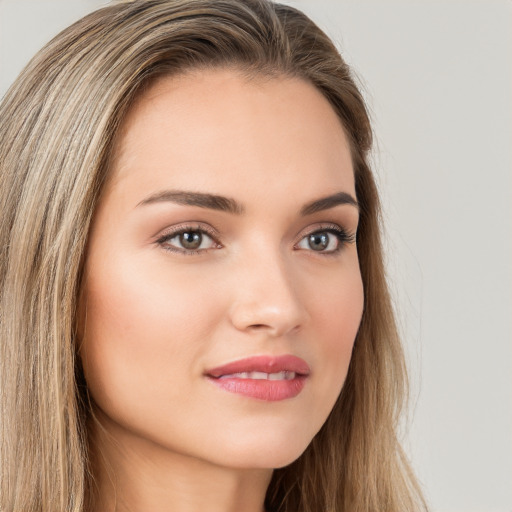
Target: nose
267, 298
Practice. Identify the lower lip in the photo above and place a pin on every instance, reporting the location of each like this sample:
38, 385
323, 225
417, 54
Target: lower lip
267, 390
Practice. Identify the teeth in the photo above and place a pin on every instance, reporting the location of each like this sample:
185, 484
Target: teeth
277, 376
285, 375
258, 375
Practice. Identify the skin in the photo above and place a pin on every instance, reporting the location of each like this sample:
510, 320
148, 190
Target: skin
157, 318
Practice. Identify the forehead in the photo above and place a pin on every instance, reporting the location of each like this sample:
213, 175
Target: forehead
219, 130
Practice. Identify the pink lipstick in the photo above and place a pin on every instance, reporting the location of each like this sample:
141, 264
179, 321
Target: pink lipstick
269, 378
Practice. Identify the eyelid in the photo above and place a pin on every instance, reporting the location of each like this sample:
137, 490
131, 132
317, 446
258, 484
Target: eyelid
176, 230
344, 236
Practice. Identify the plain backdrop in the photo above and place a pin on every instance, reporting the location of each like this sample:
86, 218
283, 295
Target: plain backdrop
438, 78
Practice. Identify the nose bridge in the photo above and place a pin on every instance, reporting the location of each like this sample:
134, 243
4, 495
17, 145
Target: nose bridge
267, 295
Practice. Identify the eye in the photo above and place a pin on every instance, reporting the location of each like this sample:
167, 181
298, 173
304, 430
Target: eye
327, 240
188, 240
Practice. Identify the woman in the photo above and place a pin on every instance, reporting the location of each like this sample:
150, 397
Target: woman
194, 313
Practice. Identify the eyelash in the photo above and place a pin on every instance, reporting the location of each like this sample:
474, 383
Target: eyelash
187, 229
341, 234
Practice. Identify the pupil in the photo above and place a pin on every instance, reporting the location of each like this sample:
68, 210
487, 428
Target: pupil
191, 239
318, 242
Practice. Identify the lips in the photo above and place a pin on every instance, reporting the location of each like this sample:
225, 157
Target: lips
266, 378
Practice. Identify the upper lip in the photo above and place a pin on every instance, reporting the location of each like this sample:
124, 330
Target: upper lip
265, 364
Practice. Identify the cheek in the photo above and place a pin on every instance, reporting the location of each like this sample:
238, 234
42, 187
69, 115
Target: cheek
142, 328
337, 305
337, 313
344, 309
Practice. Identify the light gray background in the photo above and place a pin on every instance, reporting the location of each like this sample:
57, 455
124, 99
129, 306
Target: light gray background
438, 78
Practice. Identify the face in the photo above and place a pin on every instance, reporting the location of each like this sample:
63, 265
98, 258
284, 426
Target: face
222, 288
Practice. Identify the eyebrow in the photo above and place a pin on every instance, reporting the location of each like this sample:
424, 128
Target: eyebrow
229, 205
210, 201
325, 203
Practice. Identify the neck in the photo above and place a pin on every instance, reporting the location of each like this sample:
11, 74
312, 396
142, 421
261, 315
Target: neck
137, 475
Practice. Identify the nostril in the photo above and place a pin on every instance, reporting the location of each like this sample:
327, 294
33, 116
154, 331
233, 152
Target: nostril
274, 330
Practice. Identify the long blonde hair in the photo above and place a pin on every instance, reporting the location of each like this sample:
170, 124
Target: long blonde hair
58, 124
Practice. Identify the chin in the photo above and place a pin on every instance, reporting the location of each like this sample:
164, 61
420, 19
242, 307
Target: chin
265, 452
